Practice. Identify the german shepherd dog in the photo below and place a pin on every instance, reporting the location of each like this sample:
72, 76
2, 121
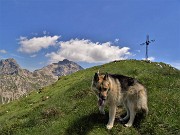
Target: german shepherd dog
115, 90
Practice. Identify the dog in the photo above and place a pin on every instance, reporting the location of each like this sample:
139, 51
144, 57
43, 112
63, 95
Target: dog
115, 90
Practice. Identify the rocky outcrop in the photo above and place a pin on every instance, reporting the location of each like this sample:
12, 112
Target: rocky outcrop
9, 67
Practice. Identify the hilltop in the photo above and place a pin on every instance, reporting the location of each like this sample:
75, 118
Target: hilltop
69, 107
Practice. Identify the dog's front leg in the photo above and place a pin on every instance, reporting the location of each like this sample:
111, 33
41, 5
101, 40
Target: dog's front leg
112, 113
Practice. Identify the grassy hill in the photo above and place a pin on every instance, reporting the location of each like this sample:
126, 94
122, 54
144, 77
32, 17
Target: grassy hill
69, 107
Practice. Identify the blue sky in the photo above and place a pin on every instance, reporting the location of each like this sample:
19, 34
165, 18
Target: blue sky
89, 32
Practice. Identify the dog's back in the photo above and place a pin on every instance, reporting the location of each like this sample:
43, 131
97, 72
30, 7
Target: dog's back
125, 81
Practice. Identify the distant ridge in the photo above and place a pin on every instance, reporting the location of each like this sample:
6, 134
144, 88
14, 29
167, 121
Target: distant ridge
61, 68
16, 82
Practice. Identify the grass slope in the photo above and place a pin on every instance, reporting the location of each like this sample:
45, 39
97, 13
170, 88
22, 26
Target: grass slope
69, 107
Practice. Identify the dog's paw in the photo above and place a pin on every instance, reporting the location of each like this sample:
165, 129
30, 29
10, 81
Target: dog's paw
109, 127
128, 125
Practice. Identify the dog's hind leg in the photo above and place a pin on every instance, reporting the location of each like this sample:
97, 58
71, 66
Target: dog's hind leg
112, 113
122, 120
132, 114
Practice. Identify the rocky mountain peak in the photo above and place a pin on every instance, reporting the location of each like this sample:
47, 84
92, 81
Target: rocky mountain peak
65, 61
9, 66
61, 68
9, 60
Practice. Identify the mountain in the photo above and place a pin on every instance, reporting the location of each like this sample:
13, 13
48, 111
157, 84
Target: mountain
69, 107
16, 82
9, 67
61, 68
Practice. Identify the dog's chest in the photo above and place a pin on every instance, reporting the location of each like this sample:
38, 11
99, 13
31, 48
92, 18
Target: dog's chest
119, 100
115, 97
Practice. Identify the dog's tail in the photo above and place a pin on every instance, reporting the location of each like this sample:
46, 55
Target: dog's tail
145, 110
143, 102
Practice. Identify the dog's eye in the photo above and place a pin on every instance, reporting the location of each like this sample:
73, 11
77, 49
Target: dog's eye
104, 89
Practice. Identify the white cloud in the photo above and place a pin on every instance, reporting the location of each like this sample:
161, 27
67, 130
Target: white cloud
150, 58
35, 44
87, 51
3, 51
34, 55
116, 40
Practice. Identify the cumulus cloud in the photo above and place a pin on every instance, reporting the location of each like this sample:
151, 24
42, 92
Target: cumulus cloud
116, 40
3, 51
35, 44
150, 58
87, 51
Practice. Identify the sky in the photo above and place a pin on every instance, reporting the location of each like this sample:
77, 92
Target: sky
89, 32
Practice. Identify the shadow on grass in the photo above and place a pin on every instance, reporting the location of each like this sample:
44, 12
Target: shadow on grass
138, 120
85, 124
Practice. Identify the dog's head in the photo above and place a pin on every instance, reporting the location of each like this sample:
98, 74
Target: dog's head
100, 85
105, 87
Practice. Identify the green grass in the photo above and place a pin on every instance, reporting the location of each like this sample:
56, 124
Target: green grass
69, 107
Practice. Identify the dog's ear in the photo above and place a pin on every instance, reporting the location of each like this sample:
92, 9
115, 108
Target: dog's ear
96, 77
106, 76
98, 72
